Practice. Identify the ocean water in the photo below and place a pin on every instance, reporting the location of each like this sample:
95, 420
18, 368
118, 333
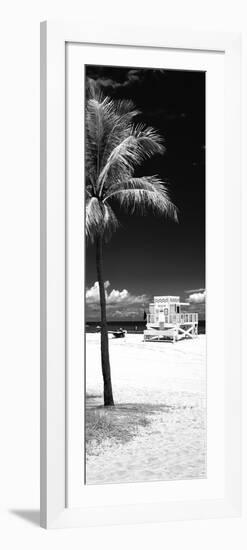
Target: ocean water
131, 326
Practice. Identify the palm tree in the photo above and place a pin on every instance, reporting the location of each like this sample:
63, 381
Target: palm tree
115, 146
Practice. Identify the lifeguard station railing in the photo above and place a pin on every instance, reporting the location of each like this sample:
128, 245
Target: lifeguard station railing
173, 319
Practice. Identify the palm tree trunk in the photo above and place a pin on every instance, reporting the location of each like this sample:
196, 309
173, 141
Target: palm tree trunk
105, 361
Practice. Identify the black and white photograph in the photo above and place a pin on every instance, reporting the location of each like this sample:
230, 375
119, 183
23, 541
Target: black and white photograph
145, 274
124, 267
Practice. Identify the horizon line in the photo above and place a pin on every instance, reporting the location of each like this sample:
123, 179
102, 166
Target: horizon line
123, 320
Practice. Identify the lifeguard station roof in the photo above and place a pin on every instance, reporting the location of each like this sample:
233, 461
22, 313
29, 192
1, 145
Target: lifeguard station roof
173, 299
166, 298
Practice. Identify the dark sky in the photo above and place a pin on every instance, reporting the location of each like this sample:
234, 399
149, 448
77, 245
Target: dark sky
150, 255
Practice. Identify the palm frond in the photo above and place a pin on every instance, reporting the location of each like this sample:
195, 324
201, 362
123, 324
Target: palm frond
93, 218
100, 219
120, 130
150, 183
141, 143
115, 146
149, 139
142, 200
111, 223
93, 90
106, 127
124, 107
122, 157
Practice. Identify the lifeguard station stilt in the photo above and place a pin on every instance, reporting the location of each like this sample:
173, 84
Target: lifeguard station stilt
166, 321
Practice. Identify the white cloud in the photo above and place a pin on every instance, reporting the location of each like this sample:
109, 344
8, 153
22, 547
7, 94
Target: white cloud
117, 296
197, 297
92, 294
113, 298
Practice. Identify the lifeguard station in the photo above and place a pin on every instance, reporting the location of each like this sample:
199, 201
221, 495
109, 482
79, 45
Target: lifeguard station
167, 321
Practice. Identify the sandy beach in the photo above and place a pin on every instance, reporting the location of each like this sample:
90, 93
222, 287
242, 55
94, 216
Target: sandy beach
168, 382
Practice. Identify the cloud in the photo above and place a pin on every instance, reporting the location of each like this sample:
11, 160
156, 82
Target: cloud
92, 294
196, 301
131, 77
114, 297
126, 79
197, 297
120, 303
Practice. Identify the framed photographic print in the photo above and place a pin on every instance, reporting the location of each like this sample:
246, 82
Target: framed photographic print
140, 275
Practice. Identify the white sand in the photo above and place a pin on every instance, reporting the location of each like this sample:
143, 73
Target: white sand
173, 446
